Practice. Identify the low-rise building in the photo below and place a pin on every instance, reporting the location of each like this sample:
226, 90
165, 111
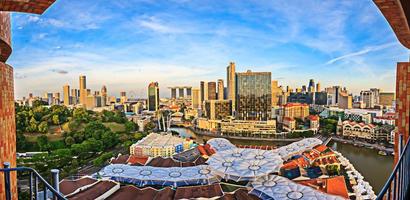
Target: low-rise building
362, 130
251, 127
164, 145
314, 123
289, 124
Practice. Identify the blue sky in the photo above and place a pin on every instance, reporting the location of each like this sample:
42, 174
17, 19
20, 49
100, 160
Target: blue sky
127, 44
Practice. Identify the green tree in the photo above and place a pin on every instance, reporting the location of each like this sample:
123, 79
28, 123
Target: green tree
69, 141
56, 120
129, 126
43, 144
43, 127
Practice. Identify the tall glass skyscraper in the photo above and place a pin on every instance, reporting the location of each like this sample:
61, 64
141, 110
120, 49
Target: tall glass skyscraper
153, 96
253, 95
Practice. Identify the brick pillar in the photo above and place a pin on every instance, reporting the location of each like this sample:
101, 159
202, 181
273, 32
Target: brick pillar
7, 126
402, 104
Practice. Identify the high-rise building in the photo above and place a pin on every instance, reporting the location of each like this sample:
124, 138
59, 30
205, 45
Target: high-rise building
195, 98
188, 92
123, 97
83, 89
221, 93
276, 93
104, 96
211, 90
311, 87
67, 97
153, 96
218, 109
368, 98
345, 101
318, 88
376, 93
181, 92
231, 83
387, 99
254, 95
202, 93
173, 93
49, 98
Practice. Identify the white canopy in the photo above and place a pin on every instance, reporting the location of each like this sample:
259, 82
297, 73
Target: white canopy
220, 144
172, 176
240, 164
277, 187
296, 148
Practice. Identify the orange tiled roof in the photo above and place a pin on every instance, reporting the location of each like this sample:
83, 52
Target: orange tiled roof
134, 160
335, 185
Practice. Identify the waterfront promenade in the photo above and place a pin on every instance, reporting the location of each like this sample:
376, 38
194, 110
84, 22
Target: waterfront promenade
365, 144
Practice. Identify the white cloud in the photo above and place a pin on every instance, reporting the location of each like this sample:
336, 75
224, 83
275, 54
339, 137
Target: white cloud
361, 52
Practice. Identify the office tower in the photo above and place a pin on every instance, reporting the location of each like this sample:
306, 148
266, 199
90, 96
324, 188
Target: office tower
221, 89
254, 95
181, 92
368, 98
202, 93
231, 83
376, 93
387, 99
173, 93
49, 98
123, 97
345, 101
311, 86
104, 96
298, 90
188, 92
67, 97
218, 109
304, 88
30, 95
195, 98
153, 96
83, 89
211, 91
276, 93
318, 88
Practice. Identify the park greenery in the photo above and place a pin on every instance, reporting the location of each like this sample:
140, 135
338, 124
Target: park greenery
85, 138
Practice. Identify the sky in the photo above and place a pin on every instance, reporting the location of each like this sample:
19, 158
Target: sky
127, 44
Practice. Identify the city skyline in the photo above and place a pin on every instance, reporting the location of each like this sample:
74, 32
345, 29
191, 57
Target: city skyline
185, 42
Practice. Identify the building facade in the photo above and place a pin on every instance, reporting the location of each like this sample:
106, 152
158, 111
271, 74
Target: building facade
211, 91
231, 83
218, 109
254, 96
221, 89
153, 96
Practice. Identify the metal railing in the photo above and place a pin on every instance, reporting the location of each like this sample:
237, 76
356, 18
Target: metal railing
34, 179
397, 186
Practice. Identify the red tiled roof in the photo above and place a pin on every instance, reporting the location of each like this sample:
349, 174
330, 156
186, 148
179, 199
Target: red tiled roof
134, 160
334, 185
313, 117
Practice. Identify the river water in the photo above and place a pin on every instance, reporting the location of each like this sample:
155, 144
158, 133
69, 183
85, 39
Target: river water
374, 167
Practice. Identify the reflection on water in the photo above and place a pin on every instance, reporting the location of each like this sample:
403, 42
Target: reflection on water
374, 167
184, 132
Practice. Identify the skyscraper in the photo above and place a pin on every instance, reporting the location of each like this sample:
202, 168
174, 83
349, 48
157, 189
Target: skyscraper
153, 96
221, 89
83, 89
202, 93
276, 93
231, 82
211, 90
181, 92
318, 89
311, 87
67, 97
254, 95
195, 98
104, 97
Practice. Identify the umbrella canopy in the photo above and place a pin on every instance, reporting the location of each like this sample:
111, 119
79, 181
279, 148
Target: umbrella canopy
172, 176
221, 144
240, 164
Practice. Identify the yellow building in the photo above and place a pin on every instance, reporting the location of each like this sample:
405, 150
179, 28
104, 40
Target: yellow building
164, 145
295, 110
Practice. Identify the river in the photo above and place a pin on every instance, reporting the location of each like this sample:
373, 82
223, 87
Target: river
374, 167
